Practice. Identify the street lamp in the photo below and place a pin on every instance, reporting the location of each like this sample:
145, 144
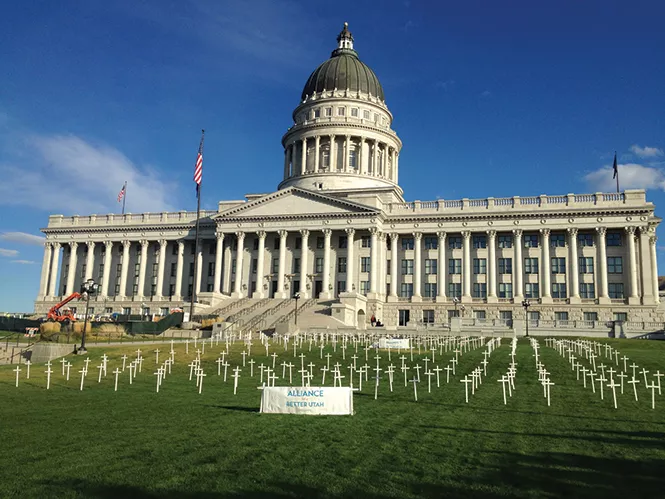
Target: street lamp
297, 297
87, 288
526, 304
456, 302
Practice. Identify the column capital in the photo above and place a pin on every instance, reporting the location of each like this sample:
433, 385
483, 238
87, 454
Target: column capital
350, 231
144, 243
304, 140
383, 236
108, 244
394, 236
491, 233
220, 235
652, 240
601, 231
126, 243
240, 235
327, 233
304, 233
373, 230
417, 236
283, 234
163, 243
72, 245
545, 232
572, 231
91, 244
181, 243
466, 234
630, 230
441, 235
261, 234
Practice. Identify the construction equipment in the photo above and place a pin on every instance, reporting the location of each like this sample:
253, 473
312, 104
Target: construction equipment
55, 314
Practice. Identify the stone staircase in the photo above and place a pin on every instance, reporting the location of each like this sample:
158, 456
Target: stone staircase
227, 308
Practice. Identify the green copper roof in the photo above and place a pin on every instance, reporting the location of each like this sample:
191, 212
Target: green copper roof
344, 70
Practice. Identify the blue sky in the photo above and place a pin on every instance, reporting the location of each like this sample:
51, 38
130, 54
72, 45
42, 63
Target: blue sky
489, 98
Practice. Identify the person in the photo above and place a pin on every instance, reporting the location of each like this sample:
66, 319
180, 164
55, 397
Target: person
379, 323
373, 320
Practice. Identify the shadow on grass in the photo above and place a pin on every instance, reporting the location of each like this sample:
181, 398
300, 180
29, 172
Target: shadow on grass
234, 408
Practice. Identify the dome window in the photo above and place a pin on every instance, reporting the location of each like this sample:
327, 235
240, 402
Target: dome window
366, 114
317, 113
341, 111
329, 111
353, 159
354, 112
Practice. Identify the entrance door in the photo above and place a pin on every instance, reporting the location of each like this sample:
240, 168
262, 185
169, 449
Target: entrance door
296, 287
318, 288
404, 317
274, 288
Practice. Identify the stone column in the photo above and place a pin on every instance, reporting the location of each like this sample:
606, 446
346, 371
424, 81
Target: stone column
226, 271
466, 267
491, 267
219, 251
282, 265
326, 294
73, 261
654, 265
373, 260
303, 157
161, 264
441, 268
237, 293
317, 146
286, 162
89, 261
362, 164
124, 267
178, 270
142, 267
603, 294
54, 270
199, 271
350, 262
260, 259
394, 237
417, 274
108, 254
372, 159
304, 257
574, 270
383, 256
546, 292
518, 283
46, 267
633, 298
392, 163
347, 150
333, 154
396, 174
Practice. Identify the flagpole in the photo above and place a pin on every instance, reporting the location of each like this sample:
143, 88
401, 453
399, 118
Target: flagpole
124, 198
196, 239
616, 170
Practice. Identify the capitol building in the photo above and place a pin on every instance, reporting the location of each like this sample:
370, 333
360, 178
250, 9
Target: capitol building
338, 229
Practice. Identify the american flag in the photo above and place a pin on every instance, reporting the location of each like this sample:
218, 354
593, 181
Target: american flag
198, 169
121, 194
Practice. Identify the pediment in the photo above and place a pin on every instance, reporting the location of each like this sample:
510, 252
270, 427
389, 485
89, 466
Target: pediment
296, 202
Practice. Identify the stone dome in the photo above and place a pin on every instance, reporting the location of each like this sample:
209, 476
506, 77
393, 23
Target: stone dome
344, 70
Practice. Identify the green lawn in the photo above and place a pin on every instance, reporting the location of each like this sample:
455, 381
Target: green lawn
177, 443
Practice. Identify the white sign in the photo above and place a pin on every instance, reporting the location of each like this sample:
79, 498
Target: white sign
336, 401
394, 343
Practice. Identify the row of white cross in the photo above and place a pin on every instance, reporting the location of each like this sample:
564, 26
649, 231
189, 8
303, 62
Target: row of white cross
543, 374
477, 374
508, 379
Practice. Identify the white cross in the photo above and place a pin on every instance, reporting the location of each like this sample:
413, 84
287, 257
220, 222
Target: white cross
415, 388
634, 382
466, 382
17, 371
503, 382
83, 372
613, 386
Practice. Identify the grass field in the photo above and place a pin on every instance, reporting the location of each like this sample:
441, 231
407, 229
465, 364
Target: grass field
177, 443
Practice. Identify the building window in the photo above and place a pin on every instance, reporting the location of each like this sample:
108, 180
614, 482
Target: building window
591, 316
275, 266
587, 290
126, 311
325, 159
407, 243
454, 265
365, 264
364, 287
558, 240
586, 265
621, 316
406, 290
117, 289
615, 290
255, 244
614, 239
255, 265
341, 264
328, 111
84, 266
118, 270
341, 286
354, 112
318, 265
407, 267
174, 269
480, 241
480, 265
317, 113
191, 269
366, 241
430, 289
480, 314
353, 159
455, 242
531, 265
430, 266
561, 316
505, 241
135, 289
431, 243
171, 289
366, 114
428, 316
505, 265
233, 266
615, 265
455, 290
341, 111
211, 269
531, 240
559, 290
479, 290
343, 242
388, 267
558, 265
320, 241
276, 243
505, 290
154, 269
531, 290
585, 239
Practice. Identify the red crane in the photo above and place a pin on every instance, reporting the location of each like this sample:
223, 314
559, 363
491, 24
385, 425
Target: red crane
57, 315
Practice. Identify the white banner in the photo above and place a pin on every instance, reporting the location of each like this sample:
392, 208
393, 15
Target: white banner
394, 343
307, 400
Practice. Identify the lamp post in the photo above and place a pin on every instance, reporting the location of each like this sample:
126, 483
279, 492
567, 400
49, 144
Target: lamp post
87, 288
297, 297
456, 302
526, 304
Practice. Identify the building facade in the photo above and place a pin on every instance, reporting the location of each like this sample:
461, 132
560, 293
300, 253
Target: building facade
338, 226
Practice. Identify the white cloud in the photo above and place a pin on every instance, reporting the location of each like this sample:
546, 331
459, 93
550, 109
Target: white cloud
485, 94
631, 176
68, 175
646, 152
22, 237
8, 252
24, 262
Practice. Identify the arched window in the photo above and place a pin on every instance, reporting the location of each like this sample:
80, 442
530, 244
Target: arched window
325, 158
353, 158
